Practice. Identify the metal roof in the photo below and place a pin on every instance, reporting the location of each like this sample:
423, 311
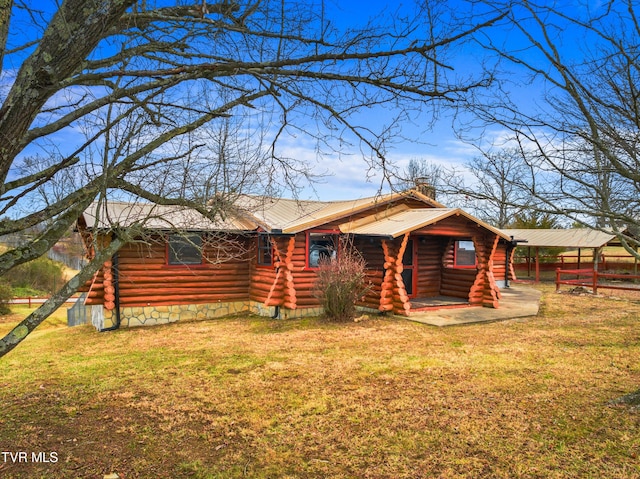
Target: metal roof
292, 216
562, 238
286, 216
398, 222
105, 215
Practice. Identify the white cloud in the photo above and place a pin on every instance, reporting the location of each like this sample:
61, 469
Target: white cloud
348, 174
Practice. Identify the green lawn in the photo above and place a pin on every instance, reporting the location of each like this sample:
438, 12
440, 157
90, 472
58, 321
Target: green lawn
381, 398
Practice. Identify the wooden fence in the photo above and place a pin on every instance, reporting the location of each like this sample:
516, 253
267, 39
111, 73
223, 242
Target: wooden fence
592, 279
562, 261
526, 266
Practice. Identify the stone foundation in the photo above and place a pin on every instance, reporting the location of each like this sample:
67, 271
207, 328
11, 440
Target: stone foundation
134, 316
261, 310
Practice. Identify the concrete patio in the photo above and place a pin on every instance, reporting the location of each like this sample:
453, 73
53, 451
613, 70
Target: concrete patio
518, 301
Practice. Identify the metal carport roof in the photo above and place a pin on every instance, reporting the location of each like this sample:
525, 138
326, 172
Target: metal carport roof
561, 238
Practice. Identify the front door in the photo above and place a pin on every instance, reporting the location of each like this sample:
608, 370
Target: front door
409, 275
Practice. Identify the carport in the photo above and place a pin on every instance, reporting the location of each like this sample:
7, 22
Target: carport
574, 238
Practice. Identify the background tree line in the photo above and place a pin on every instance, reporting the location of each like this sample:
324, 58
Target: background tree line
557, 133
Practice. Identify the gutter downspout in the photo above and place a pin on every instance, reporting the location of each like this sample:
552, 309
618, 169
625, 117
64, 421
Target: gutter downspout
116, 287
510, 246
276, 309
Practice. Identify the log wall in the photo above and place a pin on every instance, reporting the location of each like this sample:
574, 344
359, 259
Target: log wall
371, 251
457, 282
500, 262
429, 253
264, 284
372, 298
94, 289
144, 278
288, 283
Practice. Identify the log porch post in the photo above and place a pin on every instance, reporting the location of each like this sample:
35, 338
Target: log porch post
283, 290
484, 290
512, 270
393, 294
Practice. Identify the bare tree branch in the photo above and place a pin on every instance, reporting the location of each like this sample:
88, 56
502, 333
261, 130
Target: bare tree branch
583, 131
124, 97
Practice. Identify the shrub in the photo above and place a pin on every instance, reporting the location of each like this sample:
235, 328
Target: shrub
6, 293
341, 283
41, 274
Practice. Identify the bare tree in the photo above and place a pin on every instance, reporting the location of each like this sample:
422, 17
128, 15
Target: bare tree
495, 184
423, 175
126, 92
568, 92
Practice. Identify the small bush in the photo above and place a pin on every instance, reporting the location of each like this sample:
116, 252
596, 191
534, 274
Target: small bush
341, 283
6, 293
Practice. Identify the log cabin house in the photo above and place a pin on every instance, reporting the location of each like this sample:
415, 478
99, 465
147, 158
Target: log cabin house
263, 257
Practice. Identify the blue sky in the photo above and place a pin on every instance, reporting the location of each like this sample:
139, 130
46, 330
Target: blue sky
347, 173
440, 144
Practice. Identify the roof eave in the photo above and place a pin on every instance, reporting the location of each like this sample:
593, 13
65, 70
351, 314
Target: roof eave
421, 196
376, 201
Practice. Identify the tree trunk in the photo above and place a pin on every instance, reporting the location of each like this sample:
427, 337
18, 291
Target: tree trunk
22, 330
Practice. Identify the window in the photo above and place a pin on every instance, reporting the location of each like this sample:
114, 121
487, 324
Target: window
265, 250
321, 247
184, 249
464, 254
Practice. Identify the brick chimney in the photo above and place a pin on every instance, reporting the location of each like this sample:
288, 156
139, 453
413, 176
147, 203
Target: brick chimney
423, 186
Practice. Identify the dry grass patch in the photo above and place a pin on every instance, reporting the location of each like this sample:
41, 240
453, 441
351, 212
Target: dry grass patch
383, 398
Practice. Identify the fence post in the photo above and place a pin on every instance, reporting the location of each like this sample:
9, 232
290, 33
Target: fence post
557, 279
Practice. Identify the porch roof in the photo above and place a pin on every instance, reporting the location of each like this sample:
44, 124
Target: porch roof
561, 238
402, 221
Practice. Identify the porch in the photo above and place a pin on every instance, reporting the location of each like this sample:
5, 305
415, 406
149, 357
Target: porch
517, 301
437, 302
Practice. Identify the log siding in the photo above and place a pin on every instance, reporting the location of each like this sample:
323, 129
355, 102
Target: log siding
430, 268
145, 278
